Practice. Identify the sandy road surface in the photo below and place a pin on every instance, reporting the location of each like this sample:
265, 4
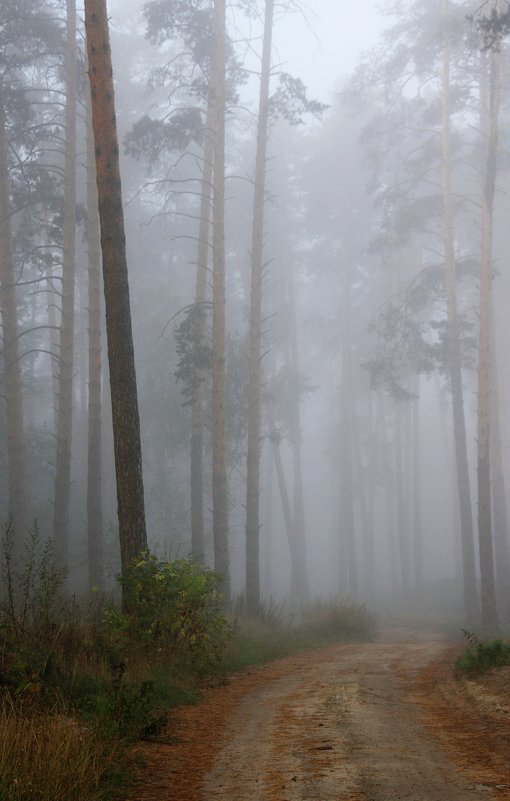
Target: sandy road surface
371, 722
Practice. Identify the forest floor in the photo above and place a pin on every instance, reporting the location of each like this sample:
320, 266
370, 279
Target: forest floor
364, 722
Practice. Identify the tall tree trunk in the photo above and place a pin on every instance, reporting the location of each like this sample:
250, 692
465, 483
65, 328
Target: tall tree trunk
11, 356
417, 488
346, 429
402, 518
298, 580
94, 461
292, 357
257, 246
454, 351
219, 470
267, 582
488, 586
197, 400
500, 516
64, 430
123, 390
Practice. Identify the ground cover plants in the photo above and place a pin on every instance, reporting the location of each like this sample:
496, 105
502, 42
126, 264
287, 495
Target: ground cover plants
481, 656
82, 681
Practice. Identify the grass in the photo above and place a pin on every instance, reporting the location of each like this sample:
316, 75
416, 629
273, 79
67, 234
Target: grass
51, 757
482, 656
257, 641
79, 687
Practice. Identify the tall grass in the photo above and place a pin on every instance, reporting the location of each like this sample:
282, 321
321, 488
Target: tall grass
274, 633
52, 758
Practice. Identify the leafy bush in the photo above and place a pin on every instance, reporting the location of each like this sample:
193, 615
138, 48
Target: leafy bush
482, 656
175, 611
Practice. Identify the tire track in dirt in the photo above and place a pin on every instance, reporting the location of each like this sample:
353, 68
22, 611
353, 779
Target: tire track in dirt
346, 723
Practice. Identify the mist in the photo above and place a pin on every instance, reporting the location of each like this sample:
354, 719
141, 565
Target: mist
319, 327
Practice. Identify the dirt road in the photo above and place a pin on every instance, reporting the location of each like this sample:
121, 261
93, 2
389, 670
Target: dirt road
373, 722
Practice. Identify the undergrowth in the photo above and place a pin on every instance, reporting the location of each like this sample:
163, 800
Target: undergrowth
481, 656
275, 634
80, 683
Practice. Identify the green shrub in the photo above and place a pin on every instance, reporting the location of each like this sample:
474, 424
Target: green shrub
482, 656
175, 612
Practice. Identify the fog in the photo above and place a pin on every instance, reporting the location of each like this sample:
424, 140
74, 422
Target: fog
379, 443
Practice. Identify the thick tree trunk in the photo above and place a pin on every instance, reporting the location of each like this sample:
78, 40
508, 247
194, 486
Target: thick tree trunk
94, 462
219, 470
488, 587
10, 343
254, 411
454, 351
64, 430
125, 417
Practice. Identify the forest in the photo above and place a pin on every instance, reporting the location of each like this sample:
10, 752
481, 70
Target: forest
253, 351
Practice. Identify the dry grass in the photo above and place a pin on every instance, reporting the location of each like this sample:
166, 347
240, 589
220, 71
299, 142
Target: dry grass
53, 758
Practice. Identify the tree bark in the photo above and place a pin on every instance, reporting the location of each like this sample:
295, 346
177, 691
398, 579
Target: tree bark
94, 461
454, 351
346, 429
486, 551
197, 400
10, 341
255, 345
64, 430
123, 390
417, 488
219, 470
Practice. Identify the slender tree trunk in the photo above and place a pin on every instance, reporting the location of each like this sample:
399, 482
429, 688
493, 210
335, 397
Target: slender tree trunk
257, 246
500, 521
417, 488
268, 525
488, 586
292, 357
67, 323
197, 400
346, 429
298, 580
219, 477
403, 533
368, 492
10, 342
454, 351
125, 417
94, 463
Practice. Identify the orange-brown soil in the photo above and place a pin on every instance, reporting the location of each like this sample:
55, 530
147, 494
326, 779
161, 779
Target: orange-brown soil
366, 722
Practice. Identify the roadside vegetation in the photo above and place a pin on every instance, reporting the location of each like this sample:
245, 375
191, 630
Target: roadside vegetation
482, 655
81, 682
